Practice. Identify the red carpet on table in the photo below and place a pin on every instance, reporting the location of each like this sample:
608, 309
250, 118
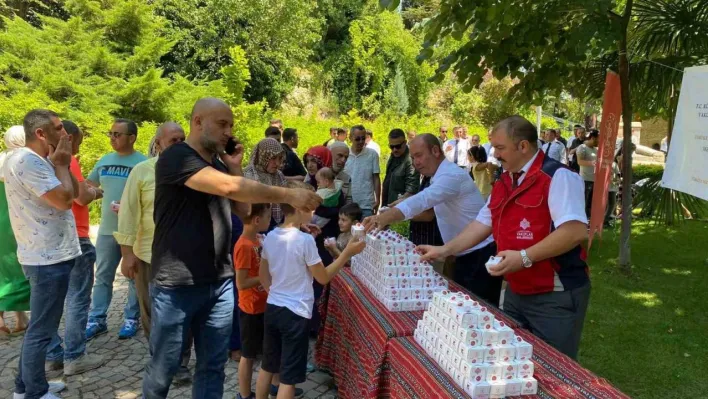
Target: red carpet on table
371, 353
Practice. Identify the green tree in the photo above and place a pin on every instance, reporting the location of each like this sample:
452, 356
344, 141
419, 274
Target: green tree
276, 37
551, 45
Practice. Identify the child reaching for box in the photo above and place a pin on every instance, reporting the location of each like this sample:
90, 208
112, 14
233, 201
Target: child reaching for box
349, 215
329, 189
289, 262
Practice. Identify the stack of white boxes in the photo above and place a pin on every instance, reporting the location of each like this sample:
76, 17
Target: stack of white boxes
392, 270
481, 354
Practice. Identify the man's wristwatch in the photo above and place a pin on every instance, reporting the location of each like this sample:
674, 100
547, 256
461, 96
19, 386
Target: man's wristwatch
525, 260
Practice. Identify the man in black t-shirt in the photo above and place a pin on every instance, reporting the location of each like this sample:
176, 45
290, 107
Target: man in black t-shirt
198, 186
293, 168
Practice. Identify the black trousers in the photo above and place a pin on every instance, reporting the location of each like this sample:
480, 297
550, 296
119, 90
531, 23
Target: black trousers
471, 273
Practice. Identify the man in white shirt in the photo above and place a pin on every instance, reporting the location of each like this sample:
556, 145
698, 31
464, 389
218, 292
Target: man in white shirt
370, 143
456, 201
536, 214
456, 149
363, 167
40, 192
554, 148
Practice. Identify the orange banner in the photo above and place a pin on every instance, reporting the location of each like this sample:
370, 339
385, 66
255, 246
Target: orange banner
611, 114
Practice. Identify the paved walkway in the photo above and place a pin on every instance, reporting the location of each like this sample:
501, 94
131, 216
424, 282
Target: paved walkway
121, 377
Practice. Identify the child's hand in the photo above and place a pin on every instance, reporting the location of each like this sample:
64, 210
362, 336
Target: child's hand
330, 244
354, 247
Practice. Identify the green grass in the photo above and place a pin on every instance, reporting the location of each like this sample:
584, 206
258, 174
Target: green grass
646, 333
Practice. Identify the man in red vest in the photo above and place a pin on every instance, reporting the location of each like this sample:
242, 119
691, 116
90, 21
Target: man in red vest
536, 214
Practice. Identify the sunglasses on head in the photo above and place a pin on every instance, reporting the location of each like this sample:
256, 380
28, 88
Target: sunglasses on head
396, 146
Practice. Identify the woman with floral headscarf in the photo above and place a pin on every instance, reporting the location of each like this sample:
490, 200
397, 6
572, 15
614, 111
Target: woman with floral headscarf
14, 287
266, 160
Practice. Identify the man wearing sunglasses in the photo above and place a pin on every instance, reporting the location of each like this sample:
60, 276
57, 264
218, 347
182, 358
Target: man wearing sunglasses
111, 173
402, 180
363, 167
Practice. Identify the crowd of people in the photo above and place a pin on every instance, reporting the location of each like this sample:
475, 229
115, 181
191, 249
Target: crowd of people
228, 261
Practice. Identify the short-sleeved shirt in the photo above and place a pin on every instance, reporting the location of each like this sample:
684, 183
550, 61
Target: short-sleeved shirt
566, 197
44, 234
111, 173
192, 243
247, 257
293, 165
81, 212
586, 153
362, 167
290, 254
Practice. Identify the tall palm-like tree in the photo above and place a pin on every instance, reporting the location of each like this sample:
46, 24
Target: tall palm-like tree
664, 37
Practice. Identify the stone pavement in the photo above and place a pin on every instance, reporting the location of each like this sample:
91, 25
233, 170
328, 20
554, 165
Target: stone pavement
121, 377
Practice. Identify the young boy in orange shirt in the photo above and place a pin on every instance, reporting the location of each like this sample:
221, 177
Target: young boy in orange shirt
251, 295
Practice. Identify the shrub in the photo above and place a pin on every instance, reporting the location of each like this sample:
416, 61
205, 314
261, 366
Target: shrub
640, 172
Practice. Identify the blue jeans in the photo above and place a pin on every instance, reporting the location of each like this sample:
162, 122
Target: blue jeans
78, 300
107, 259
365, 213
48, 287
208, 310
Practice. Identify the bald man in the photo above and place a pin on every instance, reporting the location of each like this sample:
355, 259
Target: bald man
197, 187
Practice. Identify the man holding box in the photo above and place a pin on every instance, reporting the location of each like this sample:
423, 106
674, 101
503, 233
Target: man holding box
536, 214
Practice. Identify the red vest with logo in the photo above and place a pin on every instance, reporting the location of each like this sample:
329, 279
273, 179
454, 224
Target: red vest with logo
521, 218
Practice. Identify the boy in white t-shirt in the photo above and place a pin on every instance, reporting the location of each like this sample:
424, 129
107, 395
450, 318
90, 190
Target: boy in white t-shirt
289, 261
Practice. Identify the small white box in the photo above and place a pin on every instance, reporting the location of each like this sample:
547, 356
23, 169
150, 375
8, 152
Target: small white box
513, 387
390, 271
391, 293
416, 282
506, 336
403, 271
469, 337
524, 369
495, 372
393, 306
407, 306
388, 260
472, 354
404, 294
491, 354
459, 378
429, 282
401, 260
440, 346
509, 370
485, 320
425, 271
507, 353
417, 294
478, 390
456, 360
419, 305
489, 337
529, 386
391, 282
445, 320
498, 390
524, 350
454, 342
465, 318
474, 372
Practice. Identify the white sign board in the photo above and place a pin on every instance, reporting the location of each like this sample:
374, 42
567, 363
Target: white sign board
687, 165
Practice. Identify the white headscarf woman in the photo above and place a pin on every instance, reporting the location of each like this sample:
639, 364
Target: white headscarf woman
14, 139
